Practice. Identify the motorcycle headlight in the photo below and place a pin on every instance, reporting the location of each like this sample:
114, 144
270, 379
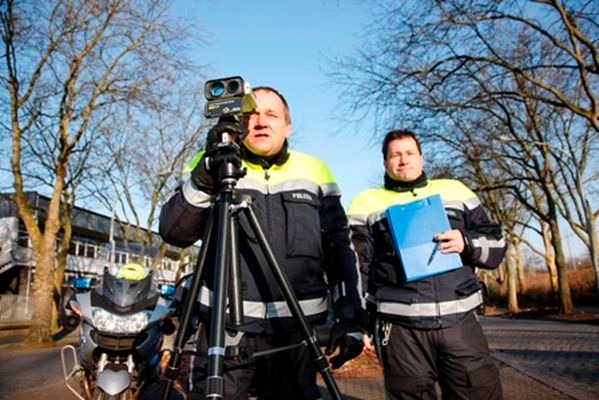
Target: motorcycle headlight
109, 322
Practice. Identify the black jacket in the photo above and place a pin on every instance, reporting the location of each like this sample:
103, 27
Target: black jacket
298, 206
438, 301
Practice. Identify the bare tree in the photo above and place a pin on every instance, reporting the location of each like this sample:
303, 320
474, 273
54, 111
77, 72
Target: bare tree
464, 74
68, 66
141, 164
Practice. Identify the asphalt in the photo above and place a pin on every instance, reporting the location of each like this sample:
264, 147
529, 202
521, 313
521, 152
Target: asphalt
537, 359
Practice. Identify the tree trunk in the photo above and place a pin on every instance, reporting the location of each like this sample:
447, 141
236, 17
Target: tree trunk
550, 259
40, 330
565, 297
62, 254
501, 272
593, 244
512, 285
519, 266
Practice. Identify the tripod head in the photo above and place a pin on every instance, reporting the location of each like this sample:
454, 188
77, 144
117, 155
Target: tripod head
223, 150
227, 165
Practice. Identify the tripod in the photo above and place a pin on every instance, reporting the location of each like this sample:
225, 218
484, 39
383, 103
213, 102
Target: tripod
227, 270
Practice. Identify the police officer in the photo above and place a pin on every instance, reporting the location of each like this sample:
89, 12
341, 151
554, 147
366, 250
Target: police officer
297, 202
427, 330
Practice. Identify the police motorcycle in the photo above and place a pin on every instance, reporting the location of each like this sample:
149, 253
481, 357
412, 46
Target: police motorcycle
123, 322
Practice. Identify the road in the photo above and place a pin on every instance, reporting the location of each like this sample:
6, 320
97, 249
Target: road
562, 355
538, 359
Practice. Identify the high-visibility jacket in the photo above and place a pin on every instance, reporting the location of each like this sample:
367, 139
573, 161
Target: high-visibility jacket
438, 301
298, 207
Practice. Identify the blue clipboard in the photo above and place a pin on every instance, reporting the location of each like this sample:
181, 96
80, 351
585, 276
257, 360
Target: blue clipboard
413, 227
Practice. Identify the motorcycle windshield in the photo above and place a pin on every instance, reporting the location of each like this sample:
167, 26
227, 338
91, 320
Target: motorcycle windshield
125, 292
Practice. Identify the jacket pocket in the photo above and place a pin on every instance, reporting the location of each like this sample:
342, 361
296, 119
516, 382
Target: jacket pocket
467, 287
302, 218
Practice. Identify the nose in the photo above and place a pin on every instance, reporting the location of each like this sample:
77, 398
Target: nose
259, 120
262, 120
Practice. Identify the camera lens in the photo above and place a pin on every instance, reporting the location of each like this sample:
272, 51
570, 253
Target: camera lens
217, 89
233, 87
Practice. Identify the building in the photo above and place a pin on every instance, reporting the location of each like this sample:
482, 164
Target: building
98, 241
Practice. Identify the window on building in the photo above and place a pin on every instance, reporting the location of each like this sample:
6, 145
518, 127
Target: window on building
169, 264
23, 237
73, 248
120, 257
90, 251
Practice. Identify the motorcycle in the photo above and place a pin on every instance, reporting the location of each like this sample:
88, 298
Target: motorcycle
122, 328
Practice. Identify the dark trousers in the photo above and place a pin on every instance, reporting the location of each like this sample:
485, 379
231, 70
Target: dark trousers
457, 358
288, 374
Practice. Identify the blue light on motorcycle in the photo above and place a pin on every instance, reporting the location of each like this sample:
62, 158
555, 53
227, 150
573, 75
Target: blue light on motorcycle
167, 290
82, 283
109, 322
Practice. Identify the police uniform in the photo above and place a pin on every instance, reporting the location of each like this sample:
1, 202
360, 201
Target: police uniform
427, 329
297, 203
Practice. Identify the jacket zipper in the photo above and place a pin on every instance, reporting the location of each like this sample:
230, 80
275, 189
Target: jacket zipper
268, 205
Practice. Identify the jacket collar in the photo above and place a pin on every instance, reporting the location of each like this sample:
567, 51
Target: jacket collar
266, 161
398, 186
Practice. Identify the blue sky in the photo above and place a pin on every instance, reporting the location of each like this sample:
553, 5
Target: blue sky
285, 45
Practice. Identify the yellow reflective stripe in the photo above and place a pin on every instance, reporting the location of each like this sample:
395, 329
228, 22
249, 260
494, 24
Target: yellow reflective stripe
300, 172
455, 195
298, 166
193, 162
428, 309
275, 309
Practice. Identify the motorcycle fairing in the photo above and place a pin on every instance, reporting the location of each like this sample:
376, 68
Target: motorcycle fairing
113, 382
124, 292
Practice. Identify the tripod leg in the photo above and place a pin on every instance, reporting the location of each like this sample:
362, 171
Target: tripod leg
216, 338
188, 309
235, 300
319, 360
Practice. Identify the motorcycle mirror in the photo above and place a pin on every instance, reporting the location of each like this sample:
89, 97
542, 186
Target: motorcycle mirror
168, 327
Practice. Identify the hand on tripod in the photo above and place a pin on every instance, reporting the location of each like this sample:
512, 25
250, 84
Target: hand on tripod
219, 149
346, 333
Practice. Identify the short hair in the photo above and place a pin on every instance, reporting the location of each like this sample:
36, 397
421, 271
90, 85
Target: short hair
399, 134
275, 91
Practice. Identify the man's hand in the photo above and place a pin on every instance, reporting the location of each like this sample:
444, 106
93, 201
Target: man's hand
450, 241
348, 340
346, 333
204, 173
228, 129
202, 176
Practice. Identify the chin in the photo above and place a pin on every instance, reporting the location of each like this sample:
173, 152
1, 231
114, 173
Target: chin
261, 152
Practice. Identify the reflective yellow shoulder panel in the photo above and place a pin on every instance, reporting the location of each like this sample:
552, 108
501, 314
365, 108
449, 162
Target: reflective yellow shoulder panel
300, 166
377, 200
193, 162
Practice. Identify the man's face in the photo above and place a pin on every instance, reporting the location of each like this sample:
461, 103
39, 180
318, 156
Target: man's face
404, 162
267, 125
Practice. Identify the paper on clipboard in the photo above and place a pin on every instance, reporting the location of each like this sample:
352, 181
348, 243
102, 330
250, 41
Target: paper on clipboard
413, 227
